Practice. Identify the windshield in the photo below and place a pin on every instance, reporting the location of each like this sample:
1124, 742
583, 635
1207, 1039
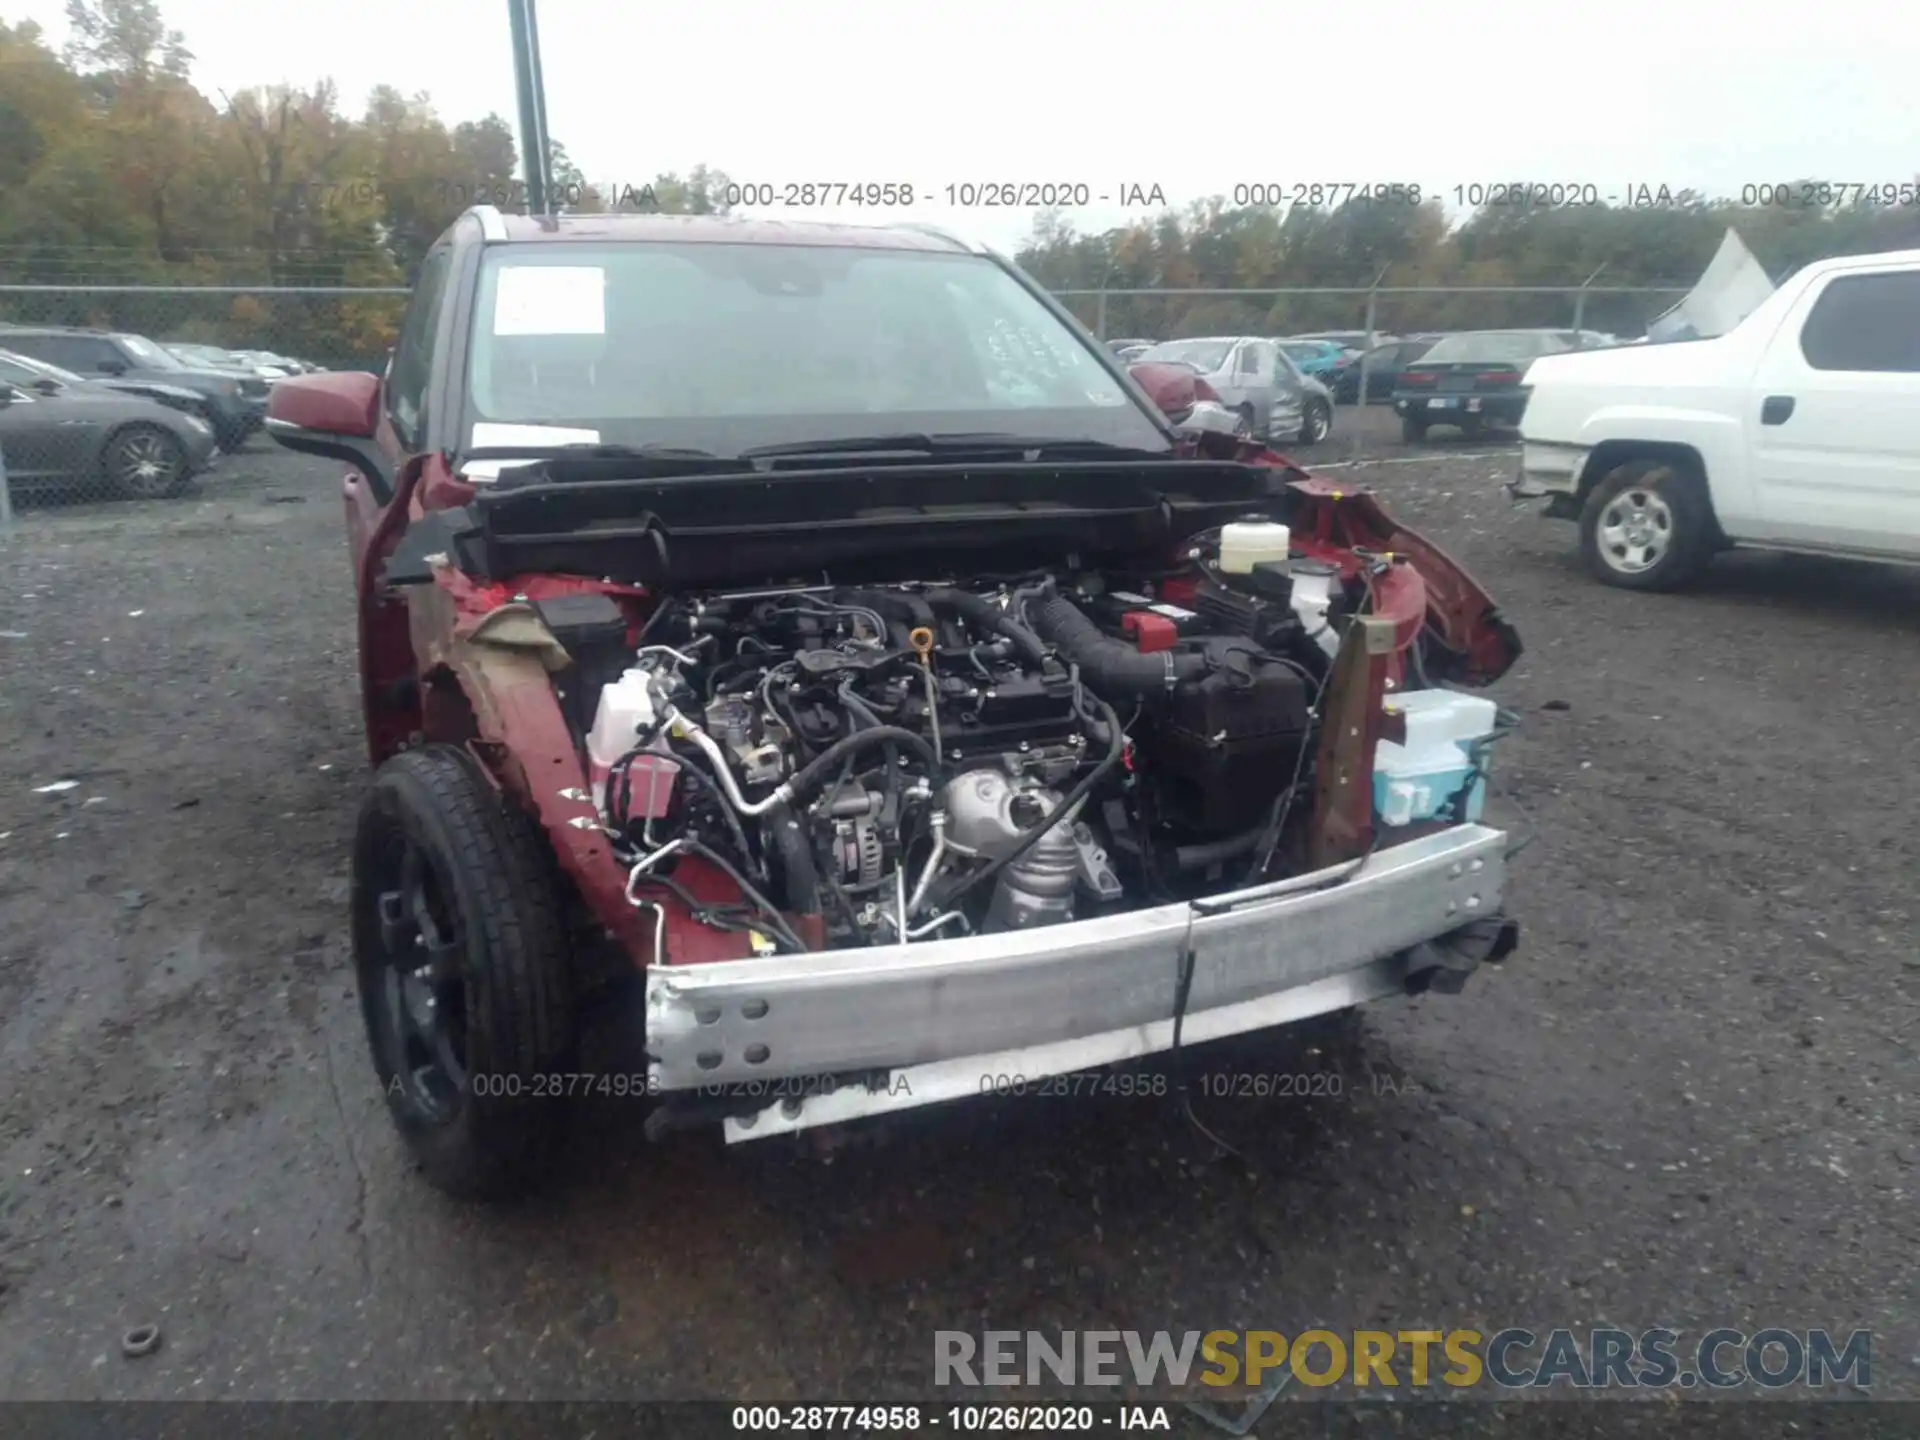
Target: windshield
726, 347
1309, 351
1485, 346
1206, 356
149, 353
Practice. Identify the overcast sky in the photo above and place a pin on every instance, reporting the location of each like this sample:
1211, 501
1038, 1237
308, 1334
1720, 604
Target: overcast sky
1196, 101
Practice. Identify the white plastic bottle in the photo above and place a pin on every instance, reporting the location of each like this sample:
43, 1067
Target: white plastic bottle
625, 710
1245, 543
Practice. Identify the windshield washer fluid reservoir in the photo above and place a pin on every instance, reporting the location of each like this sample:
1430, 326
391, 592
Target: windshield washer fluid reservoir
1245, 543
1443, 755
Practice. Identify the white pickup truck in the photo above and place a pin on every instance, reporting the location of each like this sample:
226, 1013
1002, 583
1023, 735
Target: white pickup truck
1799, 429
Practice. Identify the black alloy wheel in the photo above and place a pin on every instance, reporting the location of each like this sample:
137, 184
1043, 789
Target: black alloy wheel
463, 972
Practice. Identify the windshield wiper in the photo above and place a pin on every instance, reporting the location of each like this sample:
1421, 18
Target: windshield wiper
944, 443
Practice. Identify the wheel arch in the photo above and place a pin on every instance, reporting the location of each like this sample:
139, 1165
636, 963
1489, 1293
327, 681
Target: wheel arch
1609, 455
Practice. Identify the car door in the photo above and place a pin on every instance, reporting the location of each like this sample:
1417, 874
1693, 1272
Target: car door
1833, 416
1255, 364
1383, 369
42, 437
1237, 379
1286, 409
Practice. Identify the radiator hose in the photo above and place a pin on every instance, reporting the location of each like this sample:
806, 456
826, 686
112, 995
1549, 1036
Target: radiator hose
1111, 668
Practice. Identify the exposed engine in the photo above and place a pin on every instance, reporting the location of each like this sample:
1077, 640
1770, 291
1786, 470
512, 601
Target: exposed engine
877, 765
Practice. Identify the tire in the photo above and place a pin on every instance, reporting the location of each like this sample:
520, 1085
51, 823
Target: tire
1647, 525
1413, 429
1316, 422
1472, 427
145, 462
461, 1042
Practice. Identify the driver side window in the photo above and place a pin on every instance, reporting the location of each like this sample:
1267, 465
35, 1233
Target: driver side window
411, 367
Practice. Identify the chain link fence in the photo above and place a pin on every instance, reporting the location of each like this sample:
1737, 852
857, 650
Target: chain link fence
133, 394
1168, 313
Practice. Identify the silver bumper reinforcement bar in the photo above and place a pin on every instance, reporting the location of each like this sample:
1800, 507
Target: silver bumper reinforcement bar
940, 1015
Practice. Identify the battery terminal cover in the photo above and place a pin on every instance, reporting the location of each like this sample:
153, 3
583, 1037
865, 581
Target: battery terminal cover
1149, 632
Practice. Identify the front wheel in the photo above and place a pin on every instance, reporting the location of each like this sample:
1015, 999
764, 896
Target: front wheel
144, 462
463, 970
1646, 526
1316, 423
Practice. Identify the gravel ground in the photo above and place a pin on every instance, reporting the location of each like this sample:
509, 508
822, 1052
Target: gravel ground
1687, 1101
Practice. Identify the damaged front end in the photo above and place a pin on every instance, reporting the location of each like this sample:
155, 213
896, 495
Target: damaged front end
885, 798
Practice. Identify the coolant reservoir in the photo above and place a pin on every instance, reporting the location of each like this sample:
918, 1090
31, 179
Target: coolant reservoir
1245, 543
626, 708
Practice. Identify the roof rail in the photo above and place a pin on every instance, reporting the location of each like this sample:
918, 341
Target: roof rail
939, 234
493, 225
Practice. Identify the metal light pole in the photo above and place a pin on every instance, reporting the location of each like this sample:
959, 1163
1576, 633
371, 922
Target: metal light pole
536, 150
1580, 300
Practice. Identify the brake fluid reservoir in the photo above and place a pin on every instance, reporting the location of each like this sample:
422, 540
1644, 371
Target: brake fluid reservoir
1245, 543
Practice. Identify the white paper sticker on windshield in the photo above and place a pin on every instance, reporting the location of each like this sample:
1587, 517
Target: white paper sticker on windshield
551, 300
488, 432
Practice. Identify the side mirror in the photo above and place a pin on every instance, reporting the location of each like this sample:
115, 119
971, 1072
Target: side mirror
48, 386
336, 415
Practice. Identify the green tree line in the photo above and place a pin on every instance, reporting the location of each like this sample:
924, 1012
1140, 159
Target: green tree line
115, 169
1665, 242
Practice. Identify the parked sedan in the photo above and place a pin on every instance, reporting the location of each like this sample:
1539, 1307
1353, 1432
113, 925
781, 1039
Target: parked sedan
1471, 379
1348, 339
1318, 358
236, 399
1255, 378
1383, 366
81, 440
45, 379
247, 360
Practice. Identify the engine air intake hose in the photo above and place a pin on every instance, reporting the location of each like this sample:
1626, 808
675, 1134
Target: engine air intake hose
983, 614
1112, 668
